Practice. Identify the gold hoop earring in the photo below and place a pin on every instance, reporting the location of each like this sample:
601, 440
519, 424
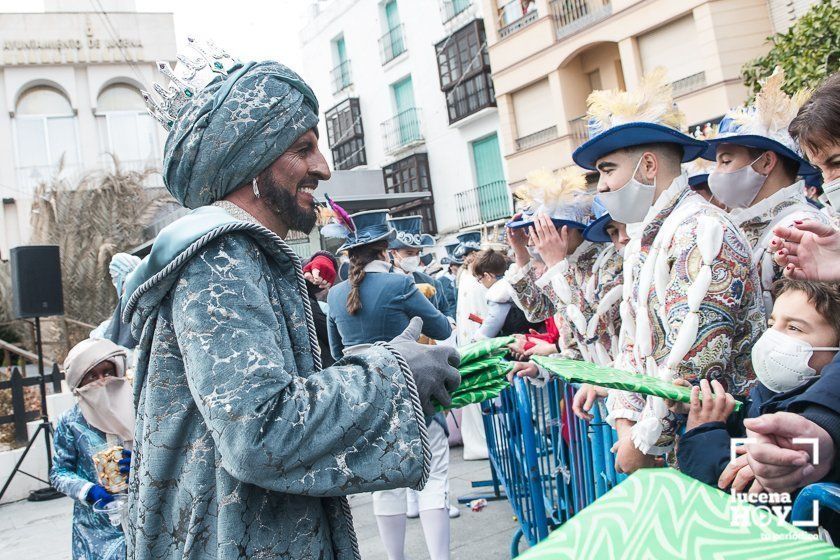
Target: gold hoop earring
256, 188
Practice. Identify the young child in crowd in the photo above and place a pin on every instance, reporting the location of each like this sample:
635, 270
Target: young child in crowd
803, 336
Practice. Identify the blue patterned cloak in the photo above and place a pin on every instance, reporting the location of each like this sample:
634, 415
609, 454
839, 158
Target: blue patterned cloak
245, 447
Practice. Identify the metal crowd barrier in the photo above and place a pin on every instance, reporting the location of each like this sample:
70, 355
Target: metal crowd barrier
550, 463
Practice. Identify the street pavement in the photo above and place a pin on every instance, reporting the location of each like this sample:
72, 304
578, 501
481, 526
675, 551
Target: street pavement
41, 530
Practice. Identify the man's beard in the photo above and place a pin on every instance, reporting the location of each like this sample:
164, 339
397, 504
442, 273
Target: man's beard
285, 205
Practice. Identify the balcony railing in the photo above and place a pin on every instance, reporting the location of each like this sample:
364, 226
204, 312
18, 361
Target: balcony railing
451, 8
341, 77
537, 138
484, 204
579, 131
514, 19
402, 130
571, 16
392, 44
688, 84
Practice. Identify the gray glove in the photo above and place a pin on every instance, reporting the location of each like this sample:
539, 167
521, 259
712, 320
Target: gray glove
434, 367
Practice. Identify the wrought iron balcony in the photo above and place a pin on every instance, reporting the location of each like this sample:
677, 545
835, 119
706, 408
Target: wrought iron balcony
537, 138
392, 44
570, 16
341, 76
402, 131
688, 84
483, 204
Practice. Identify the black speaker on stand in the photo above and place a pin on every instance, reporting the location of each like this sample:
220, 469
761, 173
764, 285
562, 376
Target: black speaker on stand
36, 289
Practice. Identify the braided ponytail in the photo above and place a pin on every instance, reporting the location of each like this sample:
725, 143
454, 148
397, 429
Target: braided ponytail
360, 257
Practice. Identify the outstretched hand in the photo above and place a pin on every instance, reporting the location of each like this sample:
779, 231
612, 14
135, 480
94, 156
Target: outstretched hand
808, 250
434, 368
518, 240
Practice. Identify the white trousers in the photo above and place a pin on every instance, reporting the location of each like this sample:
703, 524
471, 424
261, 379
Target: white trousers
435, 495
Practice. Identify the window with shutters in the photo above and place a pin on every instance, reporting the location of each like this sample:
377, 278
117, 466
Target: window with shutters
345, 134
411, 175
464, 70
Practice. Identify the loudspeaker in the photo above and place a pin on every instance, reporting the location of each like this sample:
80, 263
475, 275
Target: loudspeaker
36, 281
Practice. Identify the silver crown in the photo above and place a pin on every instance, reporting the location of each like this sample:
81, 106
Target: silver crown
192, 75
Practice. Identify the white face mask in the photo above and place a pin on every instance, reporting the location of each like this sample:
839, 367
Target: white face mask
831, 191
630, 203
108, 405
737, 189
409, 264
781, 361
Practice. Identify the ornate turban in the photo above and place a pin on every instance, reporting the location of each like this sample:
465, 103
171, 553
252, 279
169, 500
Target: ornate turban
234, 128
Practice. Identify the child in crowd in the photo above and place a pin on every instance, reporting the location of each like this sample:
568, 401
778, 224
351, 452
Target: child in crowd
103, 415
503, 318
803, 336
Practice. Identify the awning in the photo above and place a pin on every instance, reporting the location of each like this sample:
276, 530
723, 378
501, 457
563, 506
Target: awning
357, 203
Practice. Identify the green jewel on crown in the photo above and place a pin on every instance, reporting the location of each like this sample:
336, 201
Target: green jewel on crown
193, 75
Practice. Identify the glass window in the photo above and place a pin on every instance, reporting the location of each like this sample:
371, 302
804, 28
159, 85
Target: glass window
45, 135
126, 130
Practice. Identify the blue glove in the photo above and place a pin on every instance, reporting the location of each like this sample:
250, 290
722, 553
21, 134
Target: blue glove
97, 493
125, 462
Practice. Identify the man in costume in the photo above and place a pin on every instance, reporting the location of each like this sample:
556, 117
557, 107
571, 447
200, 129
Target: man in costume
690, 305
756, 173
405, 251
245, 447
559, 211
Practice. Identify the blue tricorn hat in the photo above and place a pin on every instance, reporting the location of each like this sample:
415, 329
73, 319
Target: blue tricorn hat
467, 243
427, 259
371, 226
635, 134
764, 124
409, 233
645, 115
732, 131
596, 231
450, 257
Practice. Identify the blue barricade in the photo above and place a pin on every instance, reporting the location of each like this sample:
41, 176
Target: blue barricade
551, 463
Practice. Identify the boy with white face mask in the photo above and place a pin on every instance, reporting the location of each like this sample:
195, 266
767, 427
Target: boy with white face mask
689, 306
802, 338
103, 415
755, 176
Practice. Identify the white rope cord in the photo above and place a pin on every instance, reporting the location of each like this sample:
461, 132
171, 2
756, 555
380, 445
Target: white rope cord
656, 271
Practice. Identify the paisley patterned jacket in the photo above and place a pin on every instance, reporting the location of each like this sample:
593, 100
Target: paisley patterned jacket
691, 308
245, 447
757, 222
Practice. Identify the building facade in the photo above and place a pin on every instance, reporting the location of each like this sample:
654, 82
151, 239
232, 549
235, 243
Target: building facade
549, 55
405, 88
70, 81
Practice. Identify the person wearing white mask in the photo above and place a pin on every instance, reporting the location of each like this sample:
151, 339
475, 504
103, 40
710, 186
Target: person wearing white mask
405, 250
103, 416
690, 307
803, 337
756, 173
